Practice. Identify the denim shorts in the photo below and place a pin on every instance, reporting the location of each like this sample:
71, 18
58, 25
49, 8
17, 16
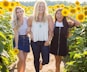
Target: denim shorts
23, 43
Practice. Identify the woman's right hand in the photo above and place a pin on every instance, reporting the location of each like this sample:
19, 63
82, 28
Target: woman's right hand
16, 47
31, 36
47, 43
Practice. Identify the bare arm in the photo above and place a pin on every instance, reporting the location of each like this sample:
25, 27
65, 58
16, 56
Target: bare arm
30, 25
50, 30
73, 21
51, 27
16, 37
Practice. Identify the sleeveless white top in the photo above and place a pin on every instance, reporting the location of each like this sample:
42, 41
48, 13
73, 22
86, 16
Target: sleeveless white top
40, 31
23, 28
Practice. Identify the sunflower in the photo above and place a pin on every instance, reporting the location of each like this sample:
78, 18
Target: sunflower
10, 9
85, 12
16, 50
56, 6
85, 8
13, 4
1, 11
53, 8
78, 8
71, 6
62, 6
72, 10
80, 17
5, 4
17, 3
77, 3
65, 12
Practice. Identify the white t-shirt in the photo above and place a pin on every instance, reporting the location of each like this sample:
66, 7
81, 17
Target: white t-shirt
40, 31
59, 24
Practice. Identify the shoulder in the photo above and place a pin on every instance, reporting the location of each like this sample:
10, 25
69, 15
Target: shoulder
30, 18
25, 18
49, 16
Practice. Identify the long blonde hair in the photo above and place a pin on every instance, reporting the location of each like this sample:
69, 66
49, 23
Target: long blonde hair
35, 13
15, 18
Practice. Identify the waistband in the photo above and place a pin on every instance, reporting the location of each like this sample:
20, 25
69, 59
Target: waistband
23, 36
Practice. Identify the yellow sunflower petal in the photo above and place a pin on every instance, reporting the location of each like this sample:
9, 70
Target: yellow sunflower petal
80, 17
16, 50
77, 3
65, 12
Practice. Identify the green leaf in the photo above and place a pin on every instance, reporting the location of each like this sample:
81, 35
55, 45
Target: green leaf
2, 35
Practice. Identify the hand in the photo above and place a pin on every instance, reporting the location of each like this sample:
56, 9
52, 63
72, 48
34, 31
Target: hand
27, 31
16, 47
47, 43
31, 36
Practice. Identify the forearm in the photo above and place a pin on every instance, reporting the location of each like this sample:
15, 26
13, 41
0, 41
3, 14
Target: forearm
16, 40
50, 35
76, 23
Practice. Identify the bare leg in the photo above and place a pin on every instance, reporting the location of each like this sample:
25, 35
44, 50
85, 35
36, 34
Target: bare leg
58, 62
22, 61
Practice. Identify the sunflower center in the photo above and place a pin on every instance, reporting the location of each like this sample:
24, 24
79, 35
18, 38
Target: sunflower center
72, 11
85, 8
85, 12
78, 8
6, 3
80, 17
12, 4
10, 9
0, 12
77, 3
65, 12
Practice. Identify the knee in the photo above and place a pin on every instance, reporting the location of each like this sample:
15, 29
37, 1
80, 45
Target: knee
58, 63
22, 60
45, 62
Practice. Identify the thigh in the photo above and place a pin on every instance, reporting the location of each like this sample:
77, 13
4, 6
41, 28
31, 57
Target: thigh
36, 49
45, 52
22, 55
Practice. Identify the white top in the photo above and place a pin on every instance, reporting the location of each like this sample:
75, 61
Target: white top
23, 28
40, 31
59, 24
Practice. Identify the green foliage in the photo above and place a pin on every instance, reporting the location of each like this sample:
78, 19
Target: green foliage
77, 59
7, 57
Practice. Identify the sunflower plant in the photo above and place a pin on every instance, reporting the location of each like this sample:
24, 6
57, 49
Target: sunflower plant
7, 56
76, 60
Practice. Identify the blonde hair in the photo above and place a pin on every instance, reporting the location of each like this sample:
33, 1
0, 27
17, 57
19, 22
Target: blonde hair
35, 13
15, 18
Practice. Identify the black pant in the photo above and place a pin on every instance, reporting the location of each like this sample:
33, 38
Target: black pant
37, 48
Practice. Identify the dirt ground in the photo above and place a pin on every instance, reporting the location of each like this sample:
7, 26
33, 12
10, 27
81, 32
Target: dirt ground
46, 68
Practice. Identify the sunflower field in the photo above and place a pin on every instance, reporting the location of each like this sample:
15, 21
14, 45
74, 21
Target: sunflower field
75, 61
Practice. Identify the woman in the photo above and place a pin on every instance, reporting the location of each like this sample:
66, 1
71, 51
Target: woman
41, 25
58, 45
21, 39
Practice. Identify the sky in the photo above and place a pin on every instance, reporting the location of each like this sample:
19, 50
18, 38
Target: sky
81, 1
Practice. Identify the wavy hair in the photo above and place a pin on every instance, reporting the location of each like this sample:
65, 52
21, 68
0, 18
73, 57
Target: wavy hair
15, 18
36, 13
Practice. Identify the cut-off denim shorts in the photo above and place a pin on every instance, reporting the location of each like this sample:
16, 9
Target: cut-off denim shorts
23, 43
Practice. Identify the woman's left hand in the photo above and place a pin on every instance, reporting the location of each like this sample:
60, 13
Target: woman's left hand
47, 43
